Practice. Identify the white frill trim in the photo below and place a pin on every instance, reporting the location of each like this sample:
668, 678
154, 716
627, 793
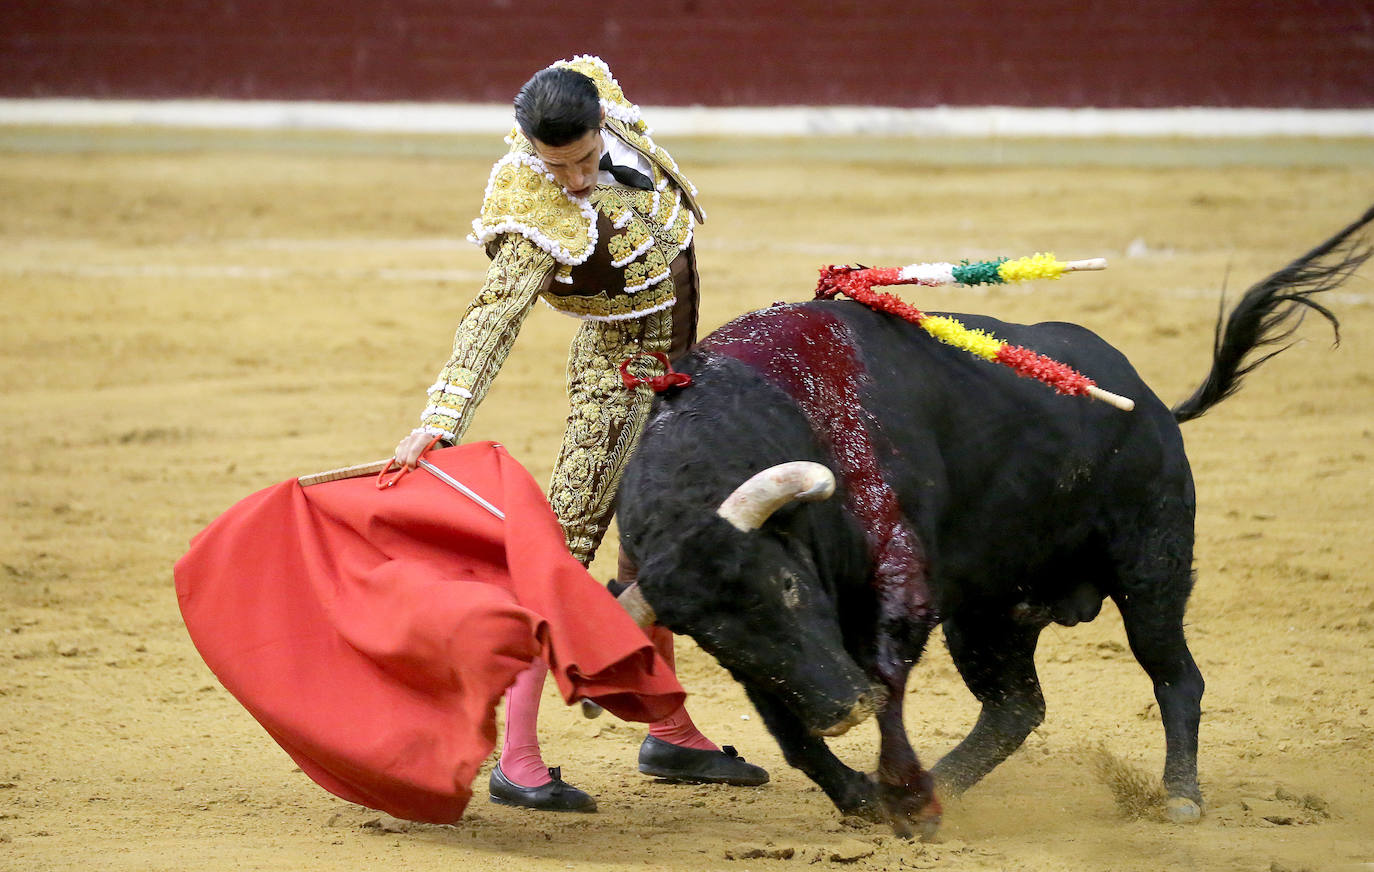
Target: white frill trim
445, 387
677, 207
430, 430
624, 219
932, 274
647, 244
562, 279
638, 313
484, 233
649, 282
446, 411
620, 113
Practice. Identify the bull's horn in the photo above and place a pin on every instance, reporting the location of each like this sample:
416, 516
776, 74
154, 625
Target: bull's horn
754, 501
632, 599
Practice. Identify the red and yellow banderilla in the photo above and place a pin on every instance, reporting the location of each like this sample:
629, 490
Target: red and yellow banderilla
857, 283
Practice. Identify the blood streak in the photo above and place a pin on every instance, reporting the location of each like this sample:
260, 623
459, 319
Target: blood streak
810, 355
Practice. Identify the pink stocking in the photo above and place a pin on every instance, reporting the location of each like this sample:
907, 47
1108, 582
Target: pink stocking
520, 758
677, 728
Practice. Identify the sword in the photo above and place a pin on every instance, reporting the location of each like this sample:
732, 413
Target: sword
459, 486
382, 467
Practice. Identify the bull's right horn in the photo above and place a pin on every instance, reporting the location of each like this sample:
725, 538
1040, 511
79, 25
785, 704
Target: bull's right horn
758, 498
632, 600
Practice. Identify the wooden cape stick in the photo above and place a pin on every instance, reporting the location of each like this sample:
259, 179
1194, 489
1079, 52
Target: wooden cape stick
377, 466
358, 471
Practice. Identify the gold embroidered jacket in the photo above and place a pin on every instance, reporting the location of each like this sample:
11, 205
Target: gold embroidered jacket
605, 258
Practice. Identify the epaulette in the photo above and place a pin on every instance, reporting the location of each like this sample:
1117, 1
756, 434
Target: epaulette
522, 197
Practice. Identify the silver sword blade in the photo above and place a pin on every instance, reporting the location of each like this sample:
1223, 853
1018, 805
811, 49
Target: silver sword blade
459, 486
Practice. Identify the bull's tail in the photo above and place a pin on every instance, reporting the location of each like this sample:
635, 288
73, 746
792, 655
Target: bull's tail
1271, 311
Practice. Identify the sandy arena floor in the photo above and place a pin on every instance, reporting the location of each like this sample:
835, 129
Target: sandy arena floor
187, 320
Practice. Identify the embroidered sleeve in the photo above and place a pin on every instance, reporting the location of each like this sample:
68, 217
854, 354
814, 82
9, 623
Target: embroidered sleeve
519, 271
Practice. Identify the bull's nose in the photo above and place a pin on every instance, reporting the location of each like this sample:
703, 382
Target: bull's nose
864, 706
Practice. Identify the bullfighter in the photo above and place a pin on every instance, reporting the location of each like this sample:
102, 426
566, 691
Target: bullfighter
588, 213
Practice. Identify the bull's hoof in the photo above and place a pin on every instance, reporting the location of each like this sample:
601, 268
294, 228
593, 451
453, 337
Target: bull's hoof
1182, 810
911, 813
927, 828
868, 810
923, 827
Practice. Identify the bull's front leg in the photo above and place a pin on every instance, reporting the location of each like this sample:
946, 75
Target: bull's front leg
852, 792
906, 791
905, 619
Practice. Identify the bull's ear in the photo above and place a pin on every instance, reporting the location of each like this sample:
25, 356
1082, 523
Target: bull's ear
763, 494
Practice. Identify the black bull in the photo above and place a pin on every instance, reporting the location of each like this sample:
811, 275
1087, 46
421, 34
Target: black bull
964, 495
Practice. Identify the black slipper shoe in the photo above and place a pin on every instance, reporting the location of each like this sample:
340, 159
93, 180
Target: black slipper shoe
676, 763
557, 795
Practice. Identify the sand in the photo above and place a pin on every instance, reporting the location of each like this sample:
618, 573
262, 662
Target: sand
188, 320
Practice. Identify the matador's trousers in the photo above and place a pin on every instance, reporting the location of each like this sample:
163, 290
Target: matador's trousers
605, 420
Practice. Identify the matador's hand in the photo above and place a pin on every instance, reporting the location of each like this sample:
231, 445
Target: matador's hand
408, 450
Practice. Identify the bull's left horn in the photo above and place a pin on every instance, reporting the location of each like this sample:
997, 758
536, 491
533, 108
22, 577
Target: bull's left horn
632, 600
758, 498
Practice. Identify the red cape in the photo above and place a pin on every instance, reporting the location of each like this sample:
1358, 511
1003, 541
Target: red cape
372, 633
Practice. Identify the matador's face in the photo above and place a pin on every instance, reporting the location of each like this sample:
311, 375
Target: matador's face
574, 165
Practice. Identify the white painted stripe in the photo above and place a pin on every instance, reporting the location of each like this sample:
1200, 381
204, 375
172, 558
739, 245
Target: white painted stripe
929, 273
237, 271
940, 121
437, 243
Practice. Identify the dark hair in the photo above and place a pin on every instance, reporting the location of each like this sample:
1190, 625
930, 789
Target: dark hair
557, 105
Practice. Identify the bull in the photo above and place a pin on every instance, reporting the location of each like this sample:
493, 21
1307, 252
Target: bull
891, 483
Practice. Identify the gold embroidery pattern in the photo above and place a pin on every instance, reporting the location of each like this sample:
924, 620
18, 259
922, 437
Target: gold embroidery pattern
628, 244
602, 306
666, 212
604, 423
650, 271
521, 199
485, 335
640, 214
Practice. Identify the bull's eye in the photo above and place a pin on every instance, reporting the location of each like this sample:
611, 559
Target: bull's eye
788, 582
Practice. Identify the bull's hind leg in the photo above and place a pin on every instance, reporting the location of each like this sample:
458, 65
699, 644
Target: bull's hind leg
1153, 616
1153, 579
997, 661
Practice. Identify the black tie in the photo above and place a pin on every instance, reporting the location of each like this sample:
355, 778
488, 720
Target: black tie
625, 175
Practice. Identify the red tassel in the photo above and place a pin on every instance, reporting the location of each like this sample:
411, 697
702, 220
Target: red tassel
659, 383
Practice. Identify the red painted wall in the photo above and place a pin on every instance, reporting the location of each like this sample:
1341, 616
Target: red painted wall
1109, 53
